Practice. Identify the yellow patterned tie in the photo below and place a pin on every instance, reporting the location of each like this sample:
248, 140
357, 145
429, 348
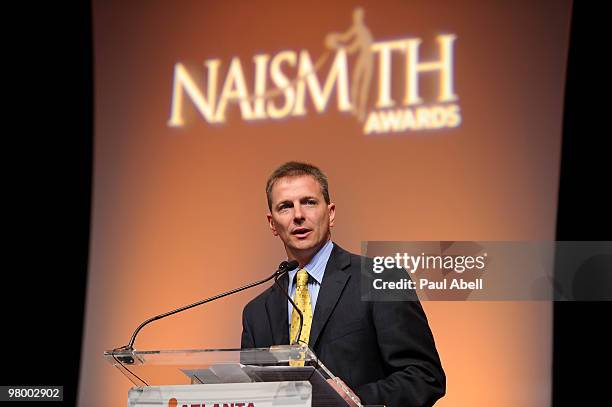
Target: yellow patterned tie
302, 300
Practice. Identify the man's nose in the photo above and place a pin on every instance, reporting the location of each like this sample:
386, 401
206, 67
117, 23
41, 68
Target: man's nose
298, 216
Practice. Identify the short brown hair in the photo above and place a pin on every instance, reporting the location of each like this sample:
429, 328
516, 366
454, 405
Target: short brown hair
294, 169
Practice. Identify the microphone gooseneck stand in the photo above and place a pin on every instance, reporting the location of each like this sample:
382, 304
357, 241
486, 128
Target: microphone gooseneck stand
283, 268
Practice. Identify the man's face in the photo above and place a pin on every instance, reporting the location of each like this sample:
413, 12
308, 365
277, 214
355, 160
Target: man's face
300, 216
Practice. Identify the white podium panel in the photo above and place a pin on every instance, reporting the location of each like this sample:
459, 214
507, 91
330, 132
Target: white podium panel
267, 394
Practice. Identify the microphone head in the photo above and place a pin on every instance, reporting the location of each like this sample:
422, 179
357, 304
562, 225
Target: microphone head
288, 265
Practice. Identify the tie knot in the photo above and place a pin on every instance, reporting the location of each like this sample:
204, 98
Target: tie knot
302, 278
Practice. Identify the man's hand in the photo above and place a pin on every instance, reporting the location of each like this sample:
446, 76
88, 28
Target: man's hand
342, 389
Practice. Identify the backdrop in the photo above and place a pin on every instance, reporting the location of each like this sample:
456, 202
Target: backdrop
433, 121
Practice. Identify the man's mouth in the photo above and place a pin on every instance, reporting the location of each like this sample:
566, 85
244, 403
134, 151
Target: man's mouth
301, 233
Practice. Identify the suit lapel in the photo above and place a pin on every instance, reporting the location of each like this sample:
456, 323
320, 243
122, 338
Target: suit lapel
332, 286
276, 307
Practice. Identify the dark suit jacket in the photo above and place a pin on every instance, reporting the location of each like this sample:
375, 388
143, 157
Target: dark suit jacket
384, 351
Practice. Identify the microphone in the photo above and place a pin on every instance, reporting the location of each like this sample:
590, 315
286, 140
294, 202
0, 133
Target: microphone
283, 268
291, 265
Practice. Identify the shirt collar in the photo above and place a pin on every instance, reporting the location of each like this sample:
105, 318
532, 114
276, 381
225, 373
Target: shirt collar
316, 266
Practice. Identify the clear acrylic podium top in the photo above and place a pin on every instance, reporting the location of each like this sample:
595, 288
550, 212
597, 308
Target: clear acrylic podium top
282, 363
213, 366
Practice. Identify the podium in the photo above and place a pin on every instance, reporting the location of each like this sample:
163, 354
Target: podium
286, 375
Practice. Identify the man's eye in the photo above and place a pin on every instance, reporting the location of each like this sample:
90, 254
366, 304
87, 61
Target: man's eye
311, 202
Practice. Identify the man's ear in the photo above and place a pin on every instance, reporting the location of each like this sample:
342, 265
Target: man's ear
271, 224
332, 214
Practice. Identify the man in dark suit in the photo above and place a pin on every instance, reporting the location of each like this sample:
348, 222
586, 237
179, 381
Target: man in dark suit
383, 351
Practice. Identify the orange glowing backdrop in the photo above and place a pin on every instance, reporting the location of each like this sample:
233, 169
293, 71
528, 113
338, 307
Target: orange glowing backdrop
179, 204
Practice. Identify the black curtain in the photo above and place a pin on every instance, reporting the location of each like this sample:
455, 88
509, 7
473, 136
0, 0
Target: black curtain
48, 131
582, 339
